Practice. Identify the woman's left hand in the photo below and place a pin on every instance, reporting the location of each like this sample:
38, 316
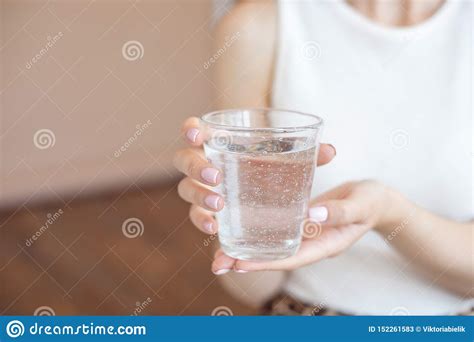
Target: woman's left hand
337, 219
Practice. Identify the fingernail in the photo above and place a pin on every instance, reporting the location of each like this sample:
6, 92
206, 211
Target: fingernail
192, 134
241, 271
210, 175
221, 272
212, 201
319, 214
335, 151
208, 227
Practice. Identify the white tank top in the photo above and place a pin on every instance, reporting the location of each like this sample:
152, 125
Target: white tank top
397, 106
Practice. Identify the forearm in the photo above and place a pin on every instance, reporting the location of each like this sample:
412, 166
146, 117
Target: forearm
442, 249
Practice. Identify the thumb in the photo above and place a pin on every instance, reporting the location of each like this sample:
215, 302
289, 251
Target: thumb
336, 212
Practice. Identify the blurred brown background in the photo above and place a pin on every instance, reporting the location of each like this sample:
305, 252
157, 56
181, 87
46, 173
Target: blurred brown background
92, 95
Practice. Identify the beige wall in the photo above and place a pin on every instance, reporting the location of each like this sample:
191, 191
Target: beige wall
91, 97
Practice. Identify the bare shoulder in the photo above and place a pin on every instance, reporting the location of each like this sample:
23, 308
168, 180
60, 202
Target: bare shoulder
248, 31
251, 14
254, 21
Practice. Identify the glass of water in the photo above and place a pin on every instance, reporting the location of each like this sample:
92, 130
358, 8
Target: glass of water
267, 157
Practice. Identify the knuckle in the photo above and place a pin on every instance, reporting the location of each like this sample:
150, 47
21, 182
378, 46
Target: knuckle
191, 166
193, 193
185, 189
193, 215
192, 211
181, 184
343, 212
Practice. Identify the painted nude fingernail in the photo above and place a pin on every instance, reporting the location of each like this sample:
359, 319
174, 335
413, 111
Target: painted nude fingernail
210, 175
208, 227
192, 134
319, 214
212, 201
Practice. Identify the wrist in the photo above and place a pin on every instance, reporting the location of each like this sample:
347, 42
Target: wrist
392, 212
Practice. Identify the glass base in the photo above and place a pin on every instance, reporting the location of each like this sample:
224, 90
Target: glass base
259, 253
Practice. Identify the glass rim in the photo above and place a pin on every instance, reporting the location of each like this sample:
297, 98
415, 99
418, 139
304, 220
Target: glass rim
205, 119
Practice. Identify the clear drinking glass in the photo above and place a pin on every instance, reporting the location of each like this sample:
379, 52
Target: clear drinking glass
267, 157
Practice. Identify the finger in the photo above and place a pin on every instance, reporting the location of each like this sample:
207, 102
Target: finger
222, 264
218, 253
337, 212
338, 192
194, 193
309, 252
192, 132
326, 153
203, 219
192, 163
317, 211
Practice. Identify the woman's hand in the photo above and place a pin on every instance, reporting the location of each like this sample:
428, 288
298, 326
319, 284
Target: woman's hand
196, 188
337, 219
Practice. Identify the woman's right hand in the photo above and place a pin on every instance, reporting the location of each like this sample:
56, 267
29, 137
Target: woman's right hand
202, 176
